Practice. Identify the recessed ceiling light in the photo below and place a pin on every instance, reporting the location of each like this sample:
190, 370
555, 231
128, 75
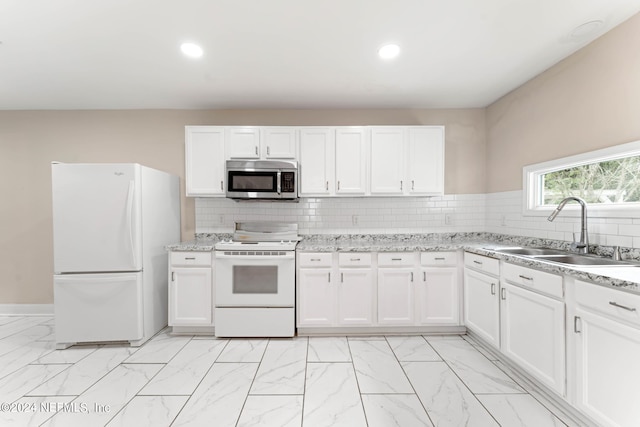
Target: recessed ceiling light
191, 50
389, 51
586, 30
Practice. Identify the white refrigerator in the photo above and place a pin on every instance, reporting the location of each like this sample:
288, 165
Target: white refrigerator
111, 223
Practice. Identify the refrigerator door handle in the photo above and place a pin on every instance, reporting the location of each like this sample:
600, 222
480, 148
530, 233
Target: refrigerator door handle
130, 194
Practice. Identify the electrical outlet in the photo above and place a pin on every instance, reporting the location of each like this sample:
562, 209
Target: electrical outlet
448, 220
354, 219
221, 219
503, 221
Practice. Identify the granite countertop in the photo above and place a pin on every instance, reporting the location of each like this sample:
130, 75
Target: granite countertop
624, 278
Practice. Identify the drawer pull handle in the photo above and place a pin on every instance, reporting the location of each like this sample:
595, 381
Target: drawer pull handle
355, 259
525, 277
412, 276
624, 307
315, 259
329, 277
173, 276
477, 262
191, 258
440, 259
424, 276
396, 259
503, 296
493, 289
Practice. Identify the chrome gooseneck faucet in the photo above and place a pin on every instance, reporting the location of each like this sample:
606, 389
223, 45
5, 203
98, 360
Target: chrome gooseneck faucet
583, 245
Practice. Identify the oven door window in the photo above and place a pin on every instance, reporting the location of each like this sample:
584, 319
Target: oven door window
261, 182
255, 279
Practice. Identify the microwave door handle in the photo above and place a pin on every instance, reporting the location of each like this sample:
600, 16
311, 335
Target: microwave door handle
278, 186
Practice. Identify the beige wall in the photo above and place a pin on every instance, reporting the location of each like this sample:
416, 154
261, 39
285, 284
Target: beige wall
590, 100
30, 140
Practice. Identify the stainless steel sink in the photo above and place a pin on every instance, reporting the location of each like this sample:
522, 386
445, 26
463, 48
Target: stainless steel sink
563, 257
583, 260
531, 251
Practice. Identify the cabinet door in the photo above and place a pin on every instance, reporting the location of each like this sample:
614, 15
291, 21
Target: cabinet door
204, 156
317, 162
481, 306
351, 158
395, 296
243, 142
607, 368
387, 161
355, 297
279, 143
532, 334
425, 164
190, 297
437, 296
316, 297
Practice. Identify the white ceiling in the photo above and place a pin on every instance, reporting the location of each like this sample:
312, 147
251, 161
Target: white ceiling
124, 54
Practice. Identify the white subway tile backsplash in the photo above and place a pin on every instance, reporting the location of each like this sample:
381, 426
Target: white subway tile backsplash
495, 213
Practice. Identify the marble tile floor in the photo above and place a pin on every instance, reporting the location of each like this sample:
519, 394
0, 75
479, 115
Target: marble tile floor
379, 381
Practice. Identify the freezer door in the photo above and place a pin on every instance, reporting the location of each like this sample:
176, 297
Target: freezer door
96, 217
98, 307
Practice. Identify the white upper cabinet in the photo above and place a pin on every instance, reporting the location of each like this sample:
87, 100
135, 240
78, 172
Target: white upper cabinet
204, 156
407, 160
243, 142
317, 162
425, 162
333, 161
351, 161
279, 143
387, 161
253, 142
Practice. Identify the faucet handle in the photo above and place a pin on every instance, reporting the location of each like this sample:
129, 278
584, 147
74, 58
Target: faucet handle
616, 253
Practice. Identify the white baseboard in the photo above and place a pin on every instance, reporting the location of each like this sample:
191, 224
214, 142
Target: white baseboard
26, 309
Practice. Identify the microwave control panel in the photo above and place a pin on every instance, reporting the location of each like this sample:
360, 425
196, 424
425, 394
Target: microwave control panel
288, 184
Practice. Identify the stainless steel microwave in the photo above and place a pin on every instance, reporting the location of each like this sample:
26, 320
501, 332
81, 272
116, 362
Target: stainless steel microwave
262, 179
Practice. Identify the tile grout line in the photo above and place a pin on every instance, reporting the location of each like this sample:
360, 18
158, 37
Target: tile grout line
409, 380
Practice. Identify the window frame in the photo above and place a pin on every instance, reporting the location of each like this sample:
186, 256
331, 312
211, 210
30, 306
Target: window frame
531, 183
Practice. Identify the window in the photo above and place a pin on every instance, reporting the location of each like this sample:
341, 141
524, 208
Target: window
608, 180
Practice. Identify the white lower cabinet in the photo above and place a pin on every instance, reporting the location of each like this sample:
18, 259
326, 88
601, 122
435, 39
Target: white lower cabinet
605, 331
395, 296
532, 334
191, 289
332, 296
355, 297
438, 289
383, 290
316, 297
481, 301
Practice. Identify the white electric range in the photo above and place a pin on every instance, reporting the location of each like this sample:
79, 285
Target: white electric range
255, 281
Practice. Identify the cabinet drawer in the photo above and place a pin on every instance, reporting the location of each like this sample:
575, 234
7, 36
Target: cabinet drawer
392, 259
354, 259
191, 258
314, 259
617, 304
438, 258
546, 283
482, 263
